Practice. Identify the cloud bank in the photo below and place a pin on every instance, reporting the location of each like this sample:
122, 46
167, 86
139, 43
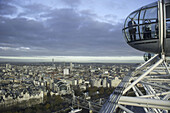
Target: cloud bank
62, 28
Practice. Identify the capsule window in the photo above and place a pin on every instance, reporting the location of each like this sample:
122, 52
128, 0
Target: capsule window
133, 16
151, 14
149, 31
168, 29
168, 11
168, 21
142, 14
148, 16
127, 36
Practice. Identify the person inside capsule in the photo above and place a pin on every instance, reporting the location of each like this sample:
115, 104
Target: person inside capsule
132, 29
156, 29
147, 29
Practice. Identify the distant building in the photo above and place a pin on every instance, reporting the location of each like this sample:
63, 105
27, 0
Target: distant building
71, 66
104, 82
74, 82
14, 99
53, 64
82, 87
92, 70
115, 82
8, 66
97, 82
61, 87
80, 81
66, 71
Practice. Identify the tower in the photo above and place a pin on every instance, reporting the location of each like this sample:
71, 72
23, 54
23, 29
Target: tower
71, 66
53, 64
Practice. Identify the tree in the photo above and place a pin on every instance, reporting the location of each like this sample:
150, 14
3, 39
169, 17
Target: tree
47, 106
8, 112
39, 111
101, 90
28, 110
92, 90
77, 92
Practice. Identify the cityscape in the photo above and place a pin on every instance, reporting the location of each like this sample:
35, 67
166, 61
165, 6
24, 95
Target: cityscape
78, 56
28, 84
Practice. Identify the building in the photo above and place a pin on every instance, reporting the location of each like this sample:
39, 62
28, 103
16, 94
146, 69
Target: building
71, 66
104, 82
60, 87
115, 82
66, 71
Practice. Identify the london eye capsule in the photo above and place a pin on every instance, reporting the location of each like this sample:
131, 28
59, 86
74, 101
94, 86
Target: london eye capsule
148, 28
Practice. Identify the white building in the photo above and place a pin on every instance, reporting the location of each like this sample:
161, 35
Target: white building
115, 82
74, 82
8, 66
104, 82
66, 71
97, 82
80, 81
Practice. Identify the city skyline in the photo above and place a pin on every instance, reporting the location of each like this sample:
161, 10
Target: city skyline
65, 28
76, 59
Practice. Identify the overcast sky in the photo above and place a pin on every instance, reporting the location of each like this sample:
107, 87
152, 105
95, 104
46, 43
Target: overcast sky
30, 28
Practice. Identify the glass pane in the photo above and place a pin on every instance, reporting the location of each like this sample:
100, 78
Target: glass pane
168, 29
148, 15
154, 30
127, 35
141, 19
141, 32
168, 11
151, 13
151, 5
149, 31
132, 33
136, 17
133, 16
124, 35
137, 36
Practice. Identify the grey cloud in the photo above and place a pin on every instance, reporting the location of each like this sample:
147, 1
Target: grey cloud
66, 33
71, 3
110, 16
6, 9
34, 10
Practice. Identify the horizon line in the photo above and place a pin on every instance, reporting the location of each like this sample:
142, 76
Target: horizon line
83, 59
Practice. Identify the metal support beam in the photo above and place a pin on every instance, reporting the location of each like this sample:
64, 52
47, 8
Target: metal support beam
143, 75
161, 26
166, 67
137, 94
166, 97
156, 85
125, 109
153, 95
138, 90
137, 101
150, 90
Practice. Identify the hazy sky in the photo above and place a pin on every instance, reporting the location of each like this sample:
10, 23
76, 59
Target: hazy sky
32, 28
